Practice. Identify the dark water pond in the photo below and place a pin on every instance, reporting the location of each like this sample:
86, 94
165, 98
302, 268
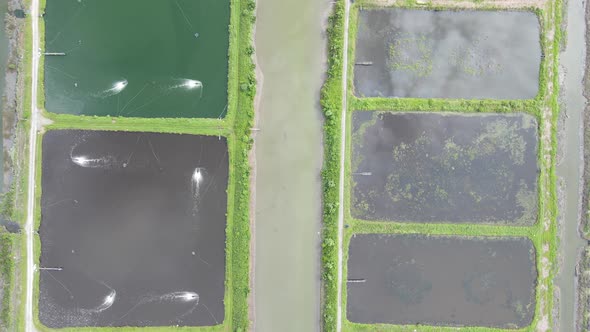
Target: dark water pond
447, 54
444, 167
415, 279
136, 223
137, 58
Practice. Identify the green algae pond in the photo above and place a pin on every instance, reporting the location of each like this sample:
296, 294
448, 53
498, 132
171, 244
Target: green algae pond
137, 58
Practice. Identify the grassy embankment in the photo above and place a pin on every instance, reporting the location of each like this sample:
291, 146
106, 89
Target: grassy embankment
6, 280
12, 246
583, 314
235, 126
544, 107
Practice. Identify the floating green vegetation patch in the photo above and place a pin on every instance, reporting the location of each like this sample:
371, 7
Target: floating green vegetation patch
436, 167
413, 54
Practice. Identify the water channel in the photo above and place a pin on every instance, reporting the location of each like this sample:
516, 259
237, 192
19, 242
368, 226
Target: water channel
290, 45
3, 59
569, 169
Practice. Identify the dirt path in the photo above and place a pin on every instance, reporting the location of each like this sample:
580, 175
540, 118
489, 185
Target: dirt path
30, 224
472, 4
342, 158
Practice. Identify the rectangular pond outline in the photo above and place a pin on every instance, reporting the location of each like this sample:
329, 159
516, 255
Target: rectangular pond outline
350, 181
156, 88
358, 227
126, 160
233, 125
367, 6
233, 55
390, 103
229, 292
542, 233
455, 240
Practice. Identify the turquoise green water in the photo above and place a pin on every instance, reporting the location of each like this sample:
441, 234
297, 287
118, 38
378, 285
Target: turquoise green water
137, 58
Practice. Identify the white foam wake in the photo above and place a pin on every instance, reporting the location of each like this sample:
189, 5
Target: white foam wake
197, 177
188, 84
115, 89
196, 182
84, 161
107, 302
181, 297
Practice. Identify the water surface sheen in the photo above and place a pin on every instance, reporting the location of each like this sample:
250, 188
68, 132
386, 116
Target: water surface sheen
290, 50
136, 222
443, 167
137, 58
416, 279
447, 54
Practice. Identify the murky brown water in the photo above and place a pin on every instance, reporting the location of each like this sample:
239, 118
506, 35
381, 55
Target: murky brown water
290, 50
137, 223
447, 54
416, 279
443, 167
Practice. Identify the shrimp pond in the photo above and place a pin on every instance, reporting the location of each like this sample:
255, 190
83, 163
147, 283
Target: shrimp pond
132, 229
137, 58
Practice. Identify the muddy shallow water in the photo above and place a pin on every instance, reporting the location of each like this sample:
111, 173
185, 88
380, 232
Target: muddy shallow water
136, 223
443, 167
447, 54
137, 58
416, 279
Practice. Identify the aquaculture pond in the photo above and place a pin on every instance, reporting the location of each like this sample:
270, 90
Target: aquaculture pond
132, 229
453, 281
137, 58
447, 54
444, 167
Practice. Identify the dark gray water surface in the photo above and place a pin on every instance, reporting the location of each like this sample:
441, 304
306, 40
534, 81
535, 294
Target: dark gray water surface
447, 54
139, 214
416, 279
137, 58
444, 167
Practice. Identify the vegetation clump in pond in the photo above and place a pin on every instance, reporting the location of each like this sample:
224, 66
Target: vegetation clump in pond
427, 167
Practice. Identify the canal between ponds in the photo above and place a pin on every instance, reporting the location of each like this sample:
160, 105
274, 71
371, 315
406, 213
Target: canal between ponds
290, 46
569, 169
